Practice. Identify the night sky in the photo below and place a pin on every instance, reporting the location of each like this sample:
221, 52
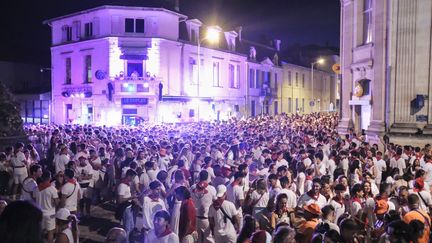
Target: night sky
25, 39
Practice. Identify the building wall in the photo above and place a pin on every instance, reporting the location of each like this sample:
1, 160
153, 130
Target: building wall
297, 89
395, 60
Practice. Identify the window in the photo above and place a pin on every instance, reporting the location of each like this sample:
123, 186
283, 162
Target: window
303, 80
67, 33
134, 69
143, 87
193, 71
257, 81
216, 73
88, 29
289, 105
193, 36
275, 82
139, 25
87, 69
231, 75
125, 87
275, 108
237, 79
253, 113
68, 65
129, 25
367, 22
134, 25
289, 78
303, 105
251, 78
296, 79
297, 107
266, 107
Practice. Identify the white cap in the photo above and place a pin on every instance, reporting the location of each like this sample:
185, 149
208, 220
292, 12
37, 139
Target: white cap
63, 214
221, 189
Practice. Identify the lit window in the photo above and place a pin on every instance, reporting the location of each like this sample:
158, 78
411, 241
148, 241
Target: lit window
68, 70
367, 22
216, 73
88, 69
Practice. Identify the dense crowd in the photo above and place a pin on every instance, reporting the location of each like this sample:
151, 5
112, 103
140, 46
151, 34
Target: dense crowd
265, 179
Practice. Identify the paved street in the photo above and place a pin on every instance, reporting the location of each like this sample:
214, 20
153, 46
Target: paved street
95, 228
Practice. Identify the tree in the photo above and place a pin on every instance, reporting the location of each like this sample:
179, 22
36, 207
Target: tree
11, 123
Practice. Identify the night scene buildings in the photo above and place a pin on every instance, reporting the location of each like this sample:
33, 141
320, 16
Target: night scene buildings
121, 65
386, 67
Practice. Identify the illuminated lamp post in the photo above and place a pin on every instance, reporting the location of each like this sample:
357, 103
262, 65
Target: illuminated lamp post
320, 61
212, 35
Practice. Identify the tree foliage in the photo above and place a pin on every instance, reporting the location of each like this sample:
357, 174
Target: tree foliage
11, 123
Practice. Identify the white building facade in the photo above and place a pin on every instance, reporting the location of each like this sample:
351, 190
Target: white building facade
116, 65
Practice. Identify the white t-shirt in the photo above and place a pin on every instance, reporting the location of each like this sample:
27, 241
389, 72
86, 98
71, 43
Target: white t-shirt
152, 238
124, 191
45, 198
380, 166
71, 191
331, 166
61, 162
18, 160
150, 207
426, 198
261, 202
235, 194
202, 201
29, 186
428, 169
292, 197
305, 199
222, 228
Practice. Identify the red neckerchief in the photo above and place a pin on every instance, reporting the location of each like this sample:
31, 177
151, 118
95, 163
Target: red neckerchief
415, 189
308, 178
418, 156
397, 157
234, 183
356, 199
154, 198
125, 181
165, 233
73, 181
44, 185
311, 195
378, 158
339, 200
202, 190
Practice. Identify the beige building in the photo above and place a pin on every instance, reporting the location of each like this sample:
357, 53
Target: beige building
386, 67
298, 91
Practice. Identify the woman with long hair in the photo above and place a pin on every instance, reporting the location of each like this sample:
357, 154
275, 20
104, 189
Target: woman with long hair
66, 227
281, 213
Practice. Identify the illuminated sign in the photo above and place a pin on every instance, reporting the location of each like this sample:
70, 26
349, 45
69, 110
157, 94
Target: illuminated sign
134, 101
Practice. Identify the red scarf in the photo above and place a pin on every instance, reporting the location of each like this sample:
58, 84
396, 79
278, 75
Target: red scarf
397, 157
125, 181
165, 233
44, 185
72, 181
308, 178
356, 199
378, 158
314, 196
340, 201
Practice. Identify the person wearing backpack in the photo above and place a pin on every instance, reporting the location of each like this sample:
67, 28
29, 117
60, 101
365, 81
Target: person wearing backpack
224, 218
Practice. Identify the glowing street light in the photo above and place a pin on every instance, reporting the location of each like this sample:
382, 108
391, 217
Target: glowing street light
320, 61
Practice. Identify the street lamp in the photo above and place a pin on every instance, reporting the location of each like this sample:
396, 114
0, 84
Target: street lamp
320, 61
212, 35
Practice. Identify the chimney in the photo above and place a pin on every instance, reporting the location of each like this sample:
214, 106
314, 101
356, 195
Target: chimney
177, 5
239, 32
277, 44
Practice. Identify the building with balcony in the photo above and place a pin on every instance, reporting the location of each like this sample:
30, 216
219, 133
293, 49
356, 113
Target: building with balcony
123, 65
385, 64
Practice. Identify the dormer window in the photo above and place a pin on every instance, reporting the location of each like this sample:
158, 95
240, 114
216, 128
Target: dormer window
193, 26
67, 33
88, 29
193, 36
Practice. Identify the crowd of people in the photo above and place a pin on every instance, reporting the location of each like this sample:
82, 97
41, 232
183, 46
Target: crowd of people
283, 178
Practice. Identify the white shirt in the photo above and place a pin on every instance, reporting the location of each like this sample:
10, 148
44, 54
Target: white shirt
152, 238
292, 197
426, 198
45, 198
222, 228
124, 191
70, 191
29, 185
339, 208
305, 199
428, 169
380, 166
61, 162
331, 166
235, 194
261, 201
150, 207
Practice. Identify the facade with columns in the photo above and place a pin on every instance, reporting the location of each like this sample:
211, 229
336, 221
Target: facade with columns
386, 67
